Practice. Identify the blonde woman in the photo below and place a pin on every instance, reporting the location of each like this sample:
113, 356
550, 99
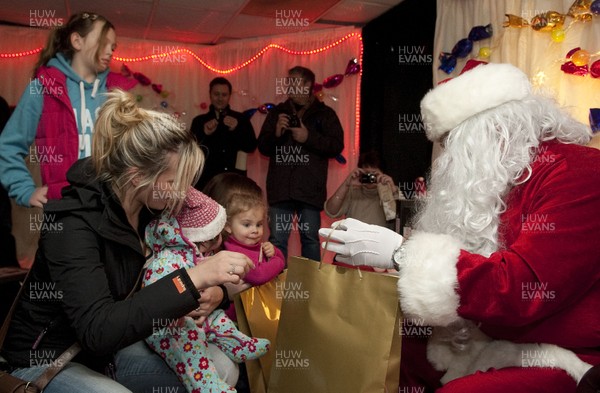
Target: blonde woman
91, 254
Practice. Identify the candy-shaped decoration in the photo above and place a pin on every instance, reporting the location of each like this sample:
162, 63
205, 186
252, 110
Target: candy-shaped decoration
125, 71
595, 7
515, 21
157, 88
481, 32
164, 104
143, 79
447, 62
317, 87
595, 119
333, 81
580, 10
462, 48
203, 105
262, 109
595, 69
353, 67
570, 68
547, 21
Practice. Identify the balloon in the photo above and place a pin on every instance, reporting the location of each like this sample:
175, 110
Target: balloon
485, 52
581, 57
353, 67
515, 21
157, 88
333, 81
139, 98
558, 35
317, 87
164, 104
447, 62
262, 109
595, 69
462, 48
248, 113
570, 68
480, 32
203, 105
595, 7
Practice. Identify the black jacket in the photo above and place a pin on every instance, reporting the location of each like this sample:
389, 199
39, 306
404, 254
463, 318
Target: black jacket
298, 171
88, 261
221, 147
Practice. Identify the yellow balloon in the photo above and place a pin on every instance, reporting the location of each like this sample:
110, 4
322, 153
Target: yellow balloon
581, 57
558, 35
484, 52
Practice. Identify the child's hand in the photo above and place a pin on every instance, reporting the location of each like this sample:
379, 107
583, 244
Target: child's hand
268, 249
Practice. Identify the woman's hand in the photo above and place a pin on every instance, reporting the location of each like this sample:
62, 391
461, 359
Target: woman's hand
223, 267
210, 299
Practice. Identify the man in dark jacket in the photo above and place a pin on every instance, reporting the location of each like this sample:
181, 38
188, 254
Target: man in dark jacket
222, 133
299, 135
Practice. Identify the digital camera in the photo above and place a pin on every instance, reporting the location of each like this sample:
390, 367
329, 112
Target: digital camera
368, 178
293, 121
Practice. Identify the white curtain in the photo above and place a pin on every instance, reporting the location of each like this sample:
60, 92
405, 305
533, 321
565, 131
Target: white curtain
532, 51
187, 80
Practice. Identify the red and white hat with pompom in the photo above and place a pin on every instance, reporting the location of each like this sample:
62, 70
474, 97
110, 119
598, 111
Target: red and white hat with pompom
201, 218
483, 87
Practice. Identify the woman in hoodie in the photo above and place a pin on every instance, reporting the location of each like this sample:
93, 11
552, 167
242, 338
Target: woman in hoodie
58, 109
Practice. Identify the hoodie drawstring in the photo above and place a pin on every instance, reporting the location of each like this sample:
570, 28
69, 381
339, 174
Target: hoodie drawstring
82, 114
95, 89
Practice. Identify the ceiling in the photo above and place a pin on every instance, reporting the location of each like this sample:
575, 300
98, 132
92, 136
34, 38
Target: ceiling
205, 22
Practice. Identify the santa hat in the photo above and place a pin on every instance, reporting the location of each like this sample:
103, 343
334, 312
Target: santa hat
201, 218
479, 89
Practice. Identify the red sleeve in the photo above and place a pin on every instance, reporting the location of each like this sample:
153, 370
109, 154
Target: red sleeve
266, 270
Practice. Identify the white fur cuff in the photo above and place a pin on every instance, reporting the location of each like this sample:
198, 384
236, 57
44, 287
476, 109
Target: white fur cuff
428, 279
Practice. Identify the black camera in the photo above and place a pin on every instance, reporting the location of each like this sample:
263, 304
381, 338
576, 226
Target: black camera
368, 178
293, 121
222, 114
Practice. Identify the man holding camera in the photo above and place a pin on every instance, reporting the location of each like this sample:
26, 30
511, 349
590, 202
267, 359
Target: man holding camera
359, 195
299, 136
222, 132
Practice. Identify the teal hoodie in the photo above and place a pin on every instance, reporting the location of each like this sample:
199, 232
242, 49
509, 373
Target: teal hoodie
20, 130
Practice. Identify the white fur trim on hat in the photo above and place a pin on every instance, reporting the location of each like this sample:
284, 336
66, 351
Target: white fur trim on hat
479, 89
428, 279
209, 231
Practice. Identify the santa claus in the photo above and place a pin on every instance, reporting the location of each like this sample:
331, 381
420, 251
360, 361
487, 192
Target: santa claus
505, 259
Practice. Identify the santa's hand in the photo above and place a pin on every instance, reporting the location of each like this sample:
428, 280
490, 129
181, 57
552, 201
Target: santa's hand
361, 244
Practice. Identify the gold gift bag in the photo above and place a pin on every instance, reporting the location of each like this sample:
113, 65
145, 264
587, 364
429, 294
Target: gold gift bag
258, 310
339, 331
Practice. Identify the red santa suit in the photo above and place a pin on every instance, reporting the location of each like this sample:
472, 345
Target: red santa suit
541, 286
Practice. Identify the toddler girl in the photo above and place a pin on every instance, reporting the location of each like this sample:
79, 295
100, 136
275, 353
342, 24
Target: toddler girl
181, 242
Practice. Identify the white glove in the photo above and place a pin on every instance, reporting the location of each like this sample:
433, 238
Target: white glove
361, 244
